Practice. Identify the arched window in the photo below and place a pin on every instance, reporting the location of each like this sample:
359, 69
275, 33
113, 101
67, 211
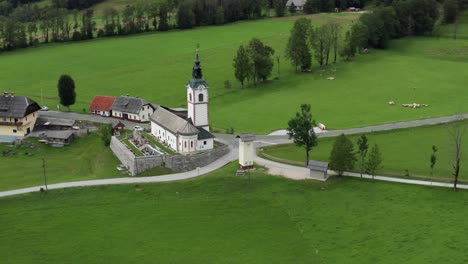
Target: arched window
200, 97
185, 144
191, 144
190, 97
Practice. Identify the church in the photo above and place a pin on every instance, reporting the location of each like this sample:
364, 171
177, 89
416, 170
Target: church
186, 132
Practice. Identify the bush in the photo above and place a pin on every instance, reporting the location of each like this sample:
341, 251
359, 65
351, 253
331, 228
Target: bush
76, 36
101, 33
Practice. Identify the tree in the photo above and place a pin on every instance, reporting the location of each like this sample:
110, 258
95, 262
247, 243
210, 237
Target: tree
362, 148
450, 9
66, 89
163, 16
242, 65
342, 155
262, 60
309, 7
374, 162
185, 15
301, 130
280, 7
297, 49
106, 132
292, 8
456, 136
219, 19
433, 159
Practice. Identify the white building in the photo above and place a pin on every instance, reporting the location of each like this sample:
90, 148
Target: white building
186, 133
298, 4
246, 151
132, 109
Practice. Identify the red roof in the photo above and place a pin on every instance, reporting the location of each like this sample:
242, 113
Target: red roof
102, 103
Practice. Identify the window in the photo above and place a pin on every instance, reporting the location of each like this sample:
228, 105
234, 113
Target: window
200, 97
190, 97
14, 130
34, 114
185, 144
204, 142
191, 144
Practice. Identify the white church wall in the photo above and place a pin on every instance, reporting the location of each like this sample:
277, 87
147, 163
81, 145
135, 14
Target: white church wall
205, 144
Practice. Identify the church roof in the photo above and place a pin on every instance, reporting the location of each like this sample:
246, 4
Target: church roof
197, 75
172, 122
128, 104
204, 134
17, 106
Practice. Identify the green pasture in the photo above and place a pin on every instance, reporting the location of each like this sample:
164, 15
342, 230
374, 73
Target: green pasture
222, 218
85, 159
157, 66
405, 149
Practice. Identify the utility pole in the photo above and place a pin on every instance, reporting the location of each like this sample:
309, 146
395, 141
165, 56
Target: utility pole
44, 172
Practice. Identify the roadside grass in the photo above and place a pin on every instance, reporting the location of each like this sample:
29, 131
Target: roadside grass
405, 150
85, 159
223, 218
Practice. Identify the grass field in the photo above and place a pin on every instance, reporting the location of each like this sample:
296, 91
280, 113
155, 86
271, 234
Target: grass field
223, 219
406, 149
157, 66
85, 159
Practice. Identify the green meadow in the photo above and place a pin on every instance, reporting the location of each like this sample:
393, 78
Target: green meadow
404, 151
85, 159
222, 218
157, 66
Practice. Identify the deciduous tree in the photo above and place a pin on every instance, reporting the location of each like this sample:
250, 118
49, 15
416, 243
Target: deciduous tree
374, 161
297, 49
363, 146
342, 155
242, 65
301, 130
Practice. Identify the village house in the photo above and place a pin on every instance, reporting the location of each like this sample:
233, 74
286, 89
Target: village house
186, 133
132, 109
298, 4
18, 115
101, 105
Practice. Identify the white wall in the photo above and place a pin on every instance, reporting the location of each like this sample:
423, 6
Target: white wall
209, 144
246, 153
164, 135
198, 110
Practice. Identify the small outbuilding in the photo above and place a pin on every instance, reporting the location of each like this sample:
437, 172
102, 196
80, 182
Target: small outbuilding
246, 150
101, 105
59, 138
318, 169
51, 123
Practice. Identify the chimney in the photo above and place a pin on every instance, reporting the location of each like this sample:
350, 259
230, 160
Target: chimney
5, 93
12, 94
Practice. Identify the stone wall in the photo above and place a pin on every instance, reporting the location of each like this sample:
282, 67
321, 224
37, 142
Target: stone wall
177, 163
123, 154
180, 163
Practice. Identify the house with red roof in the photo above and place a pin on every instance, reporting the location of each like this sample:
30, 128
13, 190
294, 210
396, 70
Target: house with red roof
102, 105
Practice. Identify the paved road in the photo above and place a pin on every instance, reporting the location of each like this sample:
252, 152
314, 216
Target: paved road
229, 157
262, 140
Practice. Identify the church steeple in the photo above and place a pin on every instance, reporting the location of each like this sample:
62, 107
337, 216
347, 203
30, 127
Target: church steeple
197, 70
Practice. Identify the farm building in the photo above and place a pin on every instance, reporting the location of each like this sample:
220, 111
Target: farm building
59, 138
186, 131
101, 105
50, 123
18, 115
132, 109
298, 4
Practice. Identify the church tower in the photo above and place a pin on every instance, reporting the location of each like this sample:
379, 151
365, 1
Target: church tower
197, 97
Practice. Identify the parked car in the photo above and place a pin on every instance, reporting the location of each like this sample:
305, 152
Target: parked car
139, 128
44, 108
